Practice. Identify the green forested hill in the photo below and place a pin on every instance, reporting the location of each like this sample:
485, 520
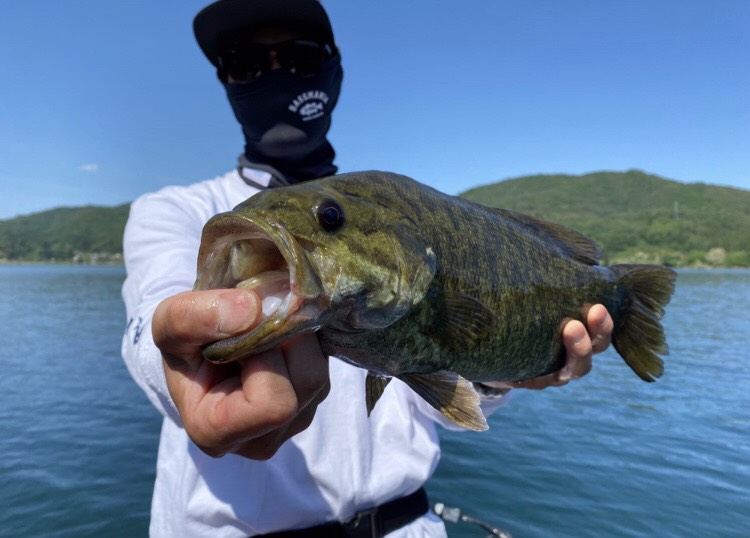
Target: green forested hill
636, 216
65, 234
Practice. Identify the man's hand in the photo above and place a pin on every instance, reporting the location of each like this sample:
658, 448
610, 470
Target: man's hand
249, 407
581, 343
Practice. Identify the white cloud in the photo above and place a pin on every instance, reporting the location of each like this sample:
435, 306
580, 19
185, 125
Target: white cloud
89, 167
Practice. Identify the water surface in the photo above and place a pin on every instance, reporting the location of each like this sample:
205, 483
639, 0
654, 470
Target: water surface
78, 436
611, 455
606, 456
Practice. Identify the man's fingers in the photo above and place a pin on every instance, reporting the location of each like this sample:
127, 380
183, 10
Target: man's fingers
578, 352
538, 383
599, 324
274, 387
266, 398
192, 319
266, 446
308, 366
275, 397
241, 407
281, 383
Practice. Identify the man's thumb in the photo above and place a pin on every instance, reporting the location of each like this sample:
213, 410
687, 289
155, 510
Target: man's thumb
238, 311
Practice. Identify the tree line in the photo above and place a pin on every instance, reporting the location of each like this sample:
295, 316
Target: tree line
634, 216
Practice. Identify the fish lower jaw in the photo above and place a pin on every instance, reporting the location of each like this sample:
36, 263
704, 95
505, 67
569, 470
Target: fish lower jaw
280, 319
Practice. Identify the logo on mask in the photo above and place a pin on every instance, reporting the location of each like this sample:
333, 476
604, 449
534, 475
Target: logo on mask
309, 105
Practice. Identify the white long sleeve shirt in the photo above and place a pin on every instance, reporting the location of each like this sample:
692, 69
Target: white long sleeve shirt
344, 462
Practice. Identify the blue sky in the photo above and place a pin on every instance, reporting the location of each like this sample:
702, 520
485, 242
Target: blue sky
102, 101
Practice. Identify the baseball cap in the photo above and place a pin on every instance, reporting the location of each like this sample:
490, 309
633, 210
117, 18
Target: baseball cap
220, 21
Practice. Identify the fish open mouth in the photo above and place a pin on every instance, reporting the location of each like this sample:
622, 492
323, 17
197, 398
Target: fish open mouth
236, 252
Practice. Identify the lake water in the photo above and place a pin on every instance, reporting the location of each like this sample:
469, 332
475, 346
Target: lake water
606, 456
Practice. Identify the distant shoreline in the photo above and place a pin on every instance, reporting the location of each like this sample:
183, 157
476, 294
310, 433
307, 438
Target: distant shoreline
633, 216
59, 262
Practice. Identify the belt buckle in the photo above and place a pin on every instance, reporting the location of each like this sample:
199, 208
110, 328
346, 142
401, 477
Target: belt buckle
366, 523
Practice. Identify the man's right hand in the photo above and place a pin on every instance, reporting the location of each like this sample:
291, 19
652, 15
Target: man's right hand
249, 407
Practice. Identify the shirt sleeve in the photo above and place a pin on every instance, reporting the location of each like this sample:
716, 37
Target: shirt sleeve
160, 248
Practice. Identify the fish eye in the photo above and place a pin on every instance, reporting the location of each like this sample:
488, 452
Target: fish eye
330, 215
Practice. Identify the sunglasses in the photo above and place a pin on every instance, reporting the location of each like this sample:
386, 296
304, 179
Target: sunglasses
248, 61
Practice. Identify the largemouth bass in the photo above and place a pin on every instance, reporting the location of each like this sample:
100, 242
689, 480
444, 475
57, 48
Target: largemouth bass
432, 289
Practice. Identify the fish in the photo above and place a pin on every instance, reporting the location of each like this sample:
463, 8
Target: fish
408, 282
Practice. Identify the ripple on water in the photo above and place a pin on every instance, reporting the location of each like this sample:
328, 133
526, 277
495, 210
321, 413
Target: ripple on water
606, 456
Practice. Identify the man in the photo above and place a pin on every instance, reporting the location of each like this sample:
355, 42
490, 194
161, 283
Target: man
279, 441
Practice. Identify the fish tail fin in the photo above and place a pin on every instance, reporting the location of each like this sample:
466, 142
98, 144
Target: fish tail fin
638, 335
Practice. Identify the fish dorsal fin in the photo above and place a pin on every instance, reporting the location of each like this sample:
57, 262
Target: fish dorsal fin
577, 245
374, 387
450, 394
461, 321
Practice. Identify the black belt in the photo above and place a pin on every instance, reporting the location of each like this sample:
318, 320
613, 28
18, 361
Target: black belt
373, 523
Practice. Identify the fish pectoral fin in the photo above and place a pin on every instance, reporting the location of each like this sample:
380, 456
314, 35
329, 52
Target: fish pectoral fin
450, 394
374, 387
463, 321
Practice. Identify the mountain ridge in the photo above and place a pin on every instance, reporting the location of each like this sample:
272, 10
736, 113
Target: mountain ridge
636, 217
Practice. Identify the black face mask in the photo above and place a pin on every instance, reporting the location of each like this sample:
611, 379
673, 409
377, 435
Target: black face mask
285, 119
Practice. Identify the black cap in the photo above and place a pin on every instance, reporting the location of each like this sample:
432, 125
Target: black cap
219, 22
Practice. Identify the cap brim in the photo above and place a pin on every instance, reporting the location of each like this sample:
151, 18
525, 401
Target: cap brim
215, 24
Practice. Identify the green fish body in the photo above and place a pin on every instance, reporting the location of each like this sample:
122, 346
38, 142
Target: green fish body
435, 290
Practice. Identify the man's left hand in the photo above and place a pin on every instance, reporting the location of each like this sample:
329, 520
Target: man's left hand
581, 343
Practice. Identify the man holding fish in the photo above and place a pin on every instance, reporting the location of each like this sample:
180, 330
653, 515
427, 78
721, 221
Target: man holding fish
280, 443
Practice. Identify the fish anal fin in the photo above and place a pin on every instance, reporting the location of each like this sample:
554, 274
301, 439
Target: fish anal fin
575, 244
374, 387
450, 394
